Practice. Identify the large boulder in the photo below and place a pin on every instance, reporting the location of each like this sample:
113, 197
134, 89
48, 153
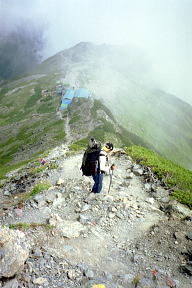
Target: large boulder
13, 251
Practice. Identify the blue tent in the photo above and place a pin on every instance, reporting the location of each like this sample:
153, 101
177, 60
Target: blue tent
65, 103
70, 93
82, 92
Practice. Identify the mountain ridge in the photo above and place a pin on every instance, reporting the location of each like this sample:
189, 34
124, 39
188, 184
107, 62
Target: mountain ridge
114, 76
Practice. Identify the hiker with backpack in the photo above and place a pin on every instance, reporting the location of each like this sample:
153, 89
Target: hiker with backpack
95, 163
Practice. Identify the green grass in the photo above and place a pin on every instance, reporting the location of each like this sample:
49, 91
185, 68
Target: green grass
38, 188
24, 226
176, 177
79, 145
39, 169
32, 133
54, 166
46, 108
34, 98
74, 119
4, 169
99, 106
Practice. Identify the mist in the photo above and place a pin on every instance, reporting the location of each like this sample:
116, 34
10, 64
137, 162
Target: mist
159, 30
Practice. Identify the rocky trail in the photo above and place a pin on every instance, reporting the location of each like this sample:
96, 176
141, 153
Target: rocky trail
134, 236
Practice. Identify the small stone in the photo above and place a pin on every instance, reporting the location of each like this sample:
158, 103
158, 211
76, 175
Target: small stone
130, 176
40, 281
85, 208
111, 215
71, 274
147, 186
150, 200
60, 182
189, 235
83, 219
178, 235
119, 215
165, 199
6, 193
37, 253
113, 209
89, 274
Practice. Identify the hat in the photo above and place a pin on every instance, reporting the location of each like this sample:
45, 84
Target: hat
109, 146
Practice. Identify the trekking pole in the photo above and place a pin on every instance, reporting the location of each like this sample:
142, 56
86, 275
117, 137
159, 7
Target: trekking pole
111, 176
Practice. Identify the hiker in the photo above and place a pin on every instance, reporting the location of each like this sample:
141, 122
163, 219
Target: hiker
103, 169
95, 163
42, 161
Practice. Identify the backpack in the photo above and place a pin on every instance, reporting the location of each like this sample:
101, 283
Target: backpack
90, 163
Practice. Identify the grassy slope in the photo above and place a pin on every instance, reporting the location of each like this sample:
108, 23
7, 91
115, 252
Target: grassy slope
162, 120
105, 130
176, 177
28, 122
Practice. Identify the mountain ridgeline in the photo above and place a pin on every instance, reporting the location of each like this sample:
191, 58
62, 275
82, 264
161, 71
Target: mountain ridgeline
120, 109
120, 78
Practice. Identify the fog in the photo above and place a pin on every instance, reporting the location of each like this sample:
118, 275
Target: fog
160, 29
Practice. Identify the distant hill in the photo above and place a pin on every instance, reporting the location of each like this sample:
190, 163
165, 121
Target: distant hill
121, 108
118, 78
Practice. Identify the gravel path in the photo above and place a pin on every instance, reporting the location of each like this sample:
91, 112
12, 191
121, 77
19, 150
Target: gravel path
112, 235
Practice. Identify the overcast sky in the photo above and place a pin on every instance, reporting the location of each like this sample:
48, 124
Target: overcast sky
162, 29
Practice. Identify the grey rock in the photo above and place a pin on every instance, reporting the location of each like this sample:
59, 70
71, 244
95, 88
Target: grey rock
15, 251
12, 284
68, 229
165, 199
74, 274
85, 208
182, 209
147, 186
189, 235
89, 274
179, 235
135, 258
38, 198
119, 215
127, 277
150, 200
137, 170
37, 253
83, 219
40, 281
6, 193
130, 175
160, 192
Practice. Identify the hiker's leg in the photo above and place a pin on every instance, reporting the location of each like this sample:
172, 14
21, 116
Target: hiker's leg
95, 179
100, 182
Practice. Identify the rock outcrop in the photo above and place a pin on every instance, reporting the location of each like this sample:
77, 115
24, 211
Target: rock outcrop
13, 251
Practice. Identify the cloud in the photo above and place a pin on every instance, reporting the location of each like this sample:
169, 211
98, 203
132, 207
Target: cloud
161, 29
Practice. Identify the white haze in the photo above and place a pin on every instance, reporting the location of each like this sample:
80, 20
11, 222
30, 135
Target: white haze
160, 29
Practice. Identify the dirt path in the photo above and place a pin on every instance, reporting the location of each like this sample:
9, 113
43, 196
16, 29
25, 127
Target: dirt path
102, 232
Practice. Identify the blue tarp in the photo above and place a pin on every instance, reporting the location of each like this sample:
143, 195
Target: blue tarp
70, 93
82, 92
